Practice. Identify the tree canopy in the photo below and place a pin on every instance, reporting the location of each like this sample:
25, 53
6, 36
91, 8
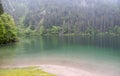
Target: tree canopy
8, 32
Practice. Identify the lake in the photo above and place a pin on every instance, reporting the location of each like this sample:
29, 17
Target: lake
94, 54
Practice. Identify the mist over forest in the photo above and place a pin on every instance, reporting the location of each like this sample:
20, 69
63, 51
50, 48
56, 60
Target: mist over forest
66, 16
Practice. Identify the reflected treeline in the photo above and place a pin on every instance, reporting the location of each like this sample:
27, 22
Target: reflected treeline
7, 53
30, 46
105, 41
54, 46
54, 42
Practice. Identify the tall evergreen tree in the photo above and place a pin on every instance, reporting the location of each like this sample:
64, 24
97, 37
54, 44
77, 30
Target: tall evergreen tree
1, 8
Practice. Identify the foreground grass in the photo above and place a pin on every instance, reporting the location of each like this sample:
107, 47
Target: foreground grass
29, 71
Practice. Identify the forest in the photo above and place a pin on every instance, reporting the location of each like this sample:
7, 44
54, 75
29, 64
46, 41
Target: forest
64, 17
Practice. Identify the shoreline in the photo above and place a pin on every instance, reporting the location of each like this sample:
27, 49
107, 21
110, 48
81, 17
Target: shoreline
68, 68
57, 70
63, 70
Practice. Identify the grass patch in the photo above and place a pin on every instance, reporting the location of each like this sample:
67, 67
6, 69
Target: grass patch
29, 71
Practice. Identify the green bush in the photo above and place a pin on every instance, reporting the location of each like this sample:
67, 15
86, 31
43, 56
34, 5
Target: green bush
8, 32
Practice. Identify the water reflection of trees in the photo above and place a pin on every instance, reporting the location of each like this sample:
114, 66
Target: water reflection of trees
7, 53
105, 41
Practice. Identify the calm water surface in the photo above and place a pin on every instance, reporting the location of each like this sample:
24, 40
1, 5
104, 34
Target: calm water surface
78, 51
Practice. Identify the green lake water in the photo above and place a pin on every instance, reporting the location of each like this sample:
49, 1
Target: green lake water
74, 51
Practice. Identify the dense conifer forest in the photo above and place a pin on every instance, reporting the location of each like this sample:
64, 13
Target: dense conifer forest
88, 17
64, 17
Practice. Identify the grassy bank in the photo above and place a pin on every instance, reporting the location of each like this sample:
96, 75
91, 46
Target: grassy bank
29, 71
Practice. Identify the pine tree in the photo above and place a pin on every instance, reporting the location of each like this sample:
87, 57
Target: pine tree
1, 8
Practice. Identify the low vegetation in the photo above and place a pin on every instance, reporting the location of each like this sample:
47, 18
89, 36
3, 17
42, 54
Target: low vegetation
29, 71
